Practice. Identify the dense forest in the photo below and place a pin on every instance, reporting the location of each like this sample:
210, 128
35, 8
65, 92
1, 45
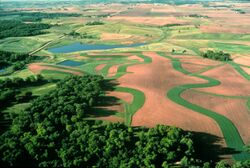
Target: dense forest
53, 132
15, 28
35, 16
219, 56
16, 61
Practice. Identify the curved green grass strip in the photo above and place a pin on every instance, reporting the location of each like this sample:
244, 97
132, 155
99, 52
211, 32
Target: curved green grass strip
248, 104
146, 60
122, 70
230, 132
137, 103
240, 70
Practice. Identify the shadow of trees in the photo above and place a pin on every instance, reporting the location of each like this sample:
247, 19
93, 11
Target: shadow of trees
209, 147
101, 109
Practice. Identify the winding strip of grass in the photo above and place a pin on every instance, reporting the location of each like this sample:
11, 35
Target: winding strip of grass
240, 70
138, 96
230, 132
137, 103
248, 104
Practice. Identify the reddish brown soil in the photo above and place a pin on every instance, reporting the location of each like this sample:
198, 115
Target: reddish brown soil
158, 21
135, 57
99, 67
199, 61
224, 29
113, 70
154, 80
234, 109
243, 60
36, 68
192, 67
232, 83
114, 36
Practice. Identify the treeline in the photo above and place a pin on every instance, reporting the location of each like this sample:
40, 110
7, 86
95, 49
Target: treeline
16, 60
95, 23
35, 16
83, 35
15, 28
216, 55
198, 16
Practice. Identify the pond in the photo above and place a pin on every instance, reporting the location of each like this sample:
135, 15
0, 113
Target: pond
70, 63
2, 70
85, 47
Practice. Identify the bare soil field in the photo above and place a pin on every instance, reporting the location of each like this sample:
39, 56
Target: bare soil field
135, 57
36, 68
232, 83
234, 109
154, 80
199, 61
224, 29
99, 67
157, 21
114, 36
113, 70
192, 67
243, 60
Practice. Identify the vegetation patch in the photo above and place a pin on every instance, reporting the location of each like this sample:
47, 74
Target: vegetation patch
214, 55
14, 28
15, 61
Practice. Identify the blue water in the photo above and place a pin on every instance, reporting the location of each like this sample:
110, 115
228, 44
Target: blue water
2, 70
70, 63
81, 47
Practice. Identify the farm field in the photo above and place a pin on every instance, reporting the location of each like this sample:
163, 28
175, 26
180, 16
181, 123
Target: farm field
158, 72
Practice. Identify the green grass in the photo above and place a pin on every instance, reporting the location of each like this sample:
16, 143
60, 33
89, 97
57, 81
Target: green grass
227, 47
53, 74
138, 102
39, 90
240, 70
248, 104
230, 132
17, 108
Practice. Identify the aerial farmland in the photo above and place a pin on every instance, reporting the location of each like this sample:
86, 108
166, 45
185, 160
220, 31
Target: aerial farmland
125, 84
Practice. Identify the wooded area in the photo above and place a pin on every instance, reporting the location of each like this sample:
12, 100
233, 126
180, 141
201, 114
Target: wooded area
217, 55
16, 60
15, 28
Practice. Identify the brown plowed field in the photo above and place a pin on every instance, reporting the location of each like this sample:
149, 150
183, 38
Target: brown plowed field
232, 83
234, 109
154, 80
36, 68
